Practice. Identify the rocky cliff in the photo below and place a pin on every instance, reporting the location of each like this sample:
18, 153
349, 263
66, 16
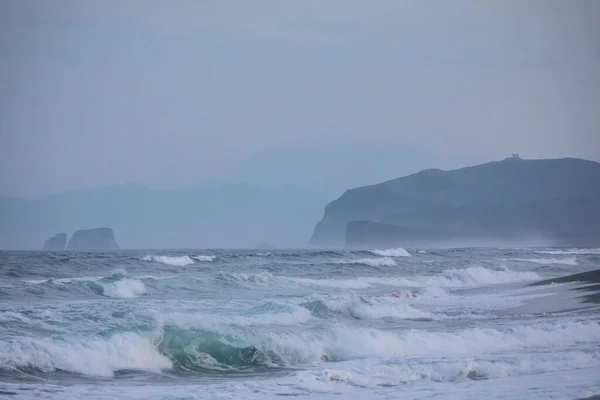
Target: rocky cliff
554, 202
56, 243
97, 239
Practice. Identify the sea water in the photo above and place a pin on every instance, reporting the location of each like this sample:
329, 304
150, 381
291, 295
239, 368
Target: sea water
246, 324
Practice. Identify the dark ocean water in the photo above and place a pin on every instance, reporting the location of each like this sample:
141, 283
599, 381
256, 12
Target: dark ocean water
457, 323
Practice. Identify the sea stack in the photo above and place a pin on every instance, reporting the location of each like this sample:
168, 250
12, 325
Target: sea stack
96, 239
56, 243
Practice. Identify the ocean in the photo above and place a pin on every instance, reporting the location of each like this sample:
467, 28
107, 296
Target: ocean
253, 324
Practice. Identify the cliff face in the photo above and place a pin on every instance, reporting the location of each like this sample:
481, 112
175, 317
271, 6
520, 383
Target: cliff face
556, 201
97, 239
56, 243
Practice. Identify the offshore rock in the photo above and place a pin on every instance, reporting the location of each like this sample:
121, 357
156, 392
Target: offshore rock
97, 239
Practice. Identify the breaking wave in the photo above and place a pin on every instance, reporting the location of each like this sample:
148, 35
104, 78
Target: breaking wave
179, 261
399, 252
117, 285
95, 356
367, 307
472, 276
194, 349
123, 289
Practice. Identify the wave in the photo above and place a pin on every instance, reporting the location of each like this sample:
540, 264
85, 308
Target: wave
204, 258
95, 356
399, 252
367, 307
372, 262
123, 289
465, 277
569, 251
547, 261
189, 348
178, 261
117, 285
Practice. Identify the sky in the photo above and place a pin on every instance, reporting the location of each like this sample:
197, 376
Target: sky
172, 94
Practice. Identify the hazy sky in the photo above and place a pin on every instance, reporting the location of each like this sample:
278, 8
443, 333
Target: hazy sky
175, 93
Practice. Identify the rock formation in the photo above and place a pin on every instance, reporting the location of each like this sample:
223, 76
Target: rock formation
554, 202
56, 243
97, 239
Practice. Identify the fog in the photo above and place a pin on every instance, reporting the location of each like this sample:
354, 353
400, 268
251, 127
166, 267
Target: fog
194, 97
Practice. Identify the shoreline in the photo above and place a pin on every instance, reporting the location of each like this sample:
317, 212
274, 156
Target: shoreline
590, 280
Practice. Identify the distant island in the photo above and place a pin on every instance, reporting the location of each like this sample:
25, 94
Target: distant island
206, 215
554, 202
57, 242
96, 239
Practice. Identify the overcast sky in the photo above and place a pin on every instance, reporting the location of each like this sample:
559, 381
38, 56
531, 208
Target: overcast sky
170, 94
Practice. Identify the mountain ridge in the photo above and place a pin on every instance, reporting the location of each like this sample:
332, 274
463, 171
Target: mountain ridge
464, 202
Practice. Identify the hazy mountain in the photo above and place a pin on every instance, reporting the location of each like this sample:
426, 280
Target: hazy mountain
203, 216
553, 201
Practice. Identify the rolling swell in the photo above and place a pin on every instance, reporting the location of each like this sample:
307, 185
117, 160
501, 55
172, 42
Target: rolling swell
116, 285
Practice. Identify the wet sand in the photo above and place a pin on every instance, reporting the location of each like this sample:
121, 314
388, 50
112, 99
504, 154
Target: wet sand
590, 279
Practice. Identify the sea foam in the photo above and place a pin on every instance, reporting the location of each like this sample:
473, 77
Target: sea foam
124, 288
399, 252
178, 261
402, 371
89, 356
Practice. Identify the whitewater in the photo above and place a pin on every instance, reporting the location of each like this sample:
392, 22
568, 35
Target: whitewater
245, 324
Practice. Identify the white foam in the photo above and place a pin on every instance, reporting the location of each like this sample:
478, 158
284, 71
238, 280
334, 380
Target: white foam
124, 288
204, 258
399, 252
365, 374
547, 261
372, 262
345, 343
93, 356
332, 383
179, 261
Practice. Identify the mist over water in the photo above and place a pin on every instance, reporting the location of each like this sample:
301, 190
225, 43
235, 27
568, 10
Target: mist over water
376, 323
